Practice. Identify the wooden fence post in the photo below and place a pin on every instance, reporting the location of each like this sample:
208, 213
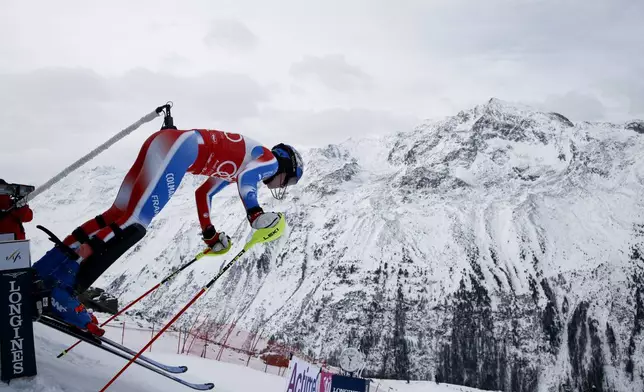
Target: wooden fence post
152, 335
179, 341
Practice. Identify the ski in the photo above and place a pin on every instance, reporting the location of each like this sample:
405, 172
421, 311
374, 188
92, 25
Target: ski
206, 252
167, 368
97, 342
162, 366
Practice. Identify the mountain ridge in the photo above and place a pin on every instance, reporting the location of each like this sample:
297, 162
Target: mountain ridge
499, 248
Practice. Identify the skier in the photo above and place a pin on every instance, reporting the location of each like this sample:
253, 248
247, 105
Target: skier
73, 264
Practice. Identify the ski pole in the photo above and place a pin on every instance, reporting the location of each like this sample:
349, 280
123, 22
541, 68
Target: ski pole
261, 235
169, 277
145, 119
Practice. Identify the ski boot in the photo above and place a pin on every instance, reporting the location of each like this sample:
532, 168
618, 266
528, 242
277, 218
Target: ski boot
55, 281
59, 268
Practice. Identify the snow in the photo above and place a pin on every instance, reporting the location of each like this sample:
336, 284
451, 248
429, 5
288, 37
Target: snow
502, 196
87, 368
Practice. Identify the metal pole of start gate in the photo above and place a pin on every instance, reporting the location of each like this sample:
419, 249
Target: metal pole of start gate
17, 307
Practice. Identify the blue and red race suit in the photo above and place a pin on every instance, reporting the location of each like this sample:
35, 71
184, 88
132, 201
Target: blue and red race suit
161, 164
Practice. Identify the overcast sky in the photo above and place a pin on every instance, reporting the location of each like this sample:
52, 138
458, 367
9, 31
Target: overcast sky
73, 73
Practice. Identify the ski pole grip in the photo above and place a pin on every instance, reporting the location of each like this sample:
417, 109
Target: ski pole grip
165, 107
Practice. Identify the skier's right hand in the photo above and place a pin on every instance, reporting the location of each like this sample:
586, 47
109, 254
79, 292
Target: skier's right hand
218, 242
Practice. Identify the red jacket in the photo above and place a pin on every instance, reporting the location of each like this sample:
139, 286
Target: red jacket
12, 222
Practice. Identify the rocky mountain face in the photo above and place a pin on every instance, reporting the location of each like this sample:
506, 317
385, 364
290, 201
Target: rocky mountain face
98, 300
501, 248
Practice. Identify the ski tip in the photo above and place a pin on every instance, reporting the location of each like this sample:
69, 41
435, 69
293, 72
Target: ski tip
210, 385
61, 354
183, 369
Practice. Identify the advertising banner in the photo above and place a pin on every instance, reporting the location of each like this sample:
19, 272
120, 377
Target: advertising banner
348, 384
17, 354
325, 381
302, 376
14, 255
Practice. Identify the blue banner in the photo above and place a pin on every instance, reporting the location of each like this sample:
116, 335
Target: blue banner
17, 353
348, 384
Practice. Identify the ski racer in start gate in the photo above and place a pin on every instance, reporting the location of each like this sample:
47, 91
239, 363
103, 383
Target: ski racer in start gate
73, 264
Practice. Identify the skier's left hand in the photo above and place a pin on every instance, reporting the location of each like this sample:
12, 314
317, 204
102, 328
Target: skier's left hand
264, 220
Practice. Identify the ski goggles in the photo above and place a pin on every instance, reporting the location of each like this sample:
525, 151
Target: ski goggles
282, 180
292, 180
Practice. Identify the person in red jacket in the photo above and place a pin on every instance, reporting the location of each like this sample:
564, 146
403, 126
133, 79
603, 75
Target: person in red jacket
166, 156
11, 219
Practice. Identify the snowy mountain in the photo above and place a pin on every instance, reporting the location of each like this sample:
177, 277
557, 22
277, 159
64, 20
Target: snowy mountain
501, 248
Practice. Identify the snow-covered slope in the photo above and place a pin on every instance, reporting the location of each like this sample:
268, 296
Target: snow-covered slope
87, 368
499, 248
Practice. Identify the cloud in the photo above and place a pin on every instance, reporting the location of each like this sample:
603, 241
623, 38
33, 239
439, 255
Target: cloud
173, 62
626, 91
77, 98
39, 104
223, 96
232, 35
52, 116
313, 128
575, 105
427, 59
333, 71
534, 28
